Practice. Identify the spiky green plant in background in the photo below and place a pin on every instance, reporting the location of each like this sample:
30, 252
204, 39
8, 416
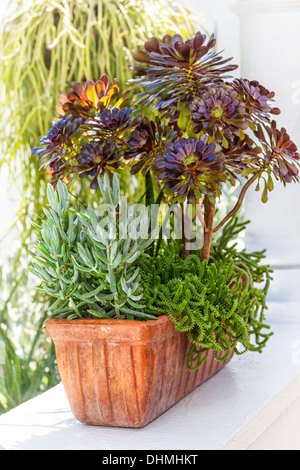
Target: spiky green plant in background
45, 46
27, 358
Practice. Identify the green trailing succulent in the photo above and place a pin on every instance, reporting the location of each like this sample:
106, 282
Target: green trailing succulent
253, 271
87, 260
220, 306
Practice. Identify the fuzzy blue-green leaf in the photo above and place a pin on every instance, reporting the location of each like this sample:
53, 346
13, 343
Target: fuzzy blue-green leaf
116, 189
92, 293
104, 297
74, 307
118, 261
97, 314
93, 217
132, 258
63, 196
52, 198
136, 305
112, 279
85, 255
79, 267
134, 276
137, 313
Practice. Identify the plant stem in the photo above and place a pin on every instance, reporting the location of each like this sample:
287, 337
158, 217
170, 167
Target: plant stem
239, 201
149, 189
185, 231
209, 213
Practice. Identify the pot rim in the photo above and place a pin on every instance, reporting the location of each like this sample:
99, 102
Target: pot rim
109, 321
116, 330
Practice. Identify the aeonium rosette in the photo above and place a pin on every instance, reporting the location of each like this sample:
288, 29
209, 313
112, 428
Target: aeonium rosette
200, 129
57, 148
258, 100
190, 168
280, 153
110, 122
97, 158
220, 113
84, 100
174, 70
147, 141
91, 138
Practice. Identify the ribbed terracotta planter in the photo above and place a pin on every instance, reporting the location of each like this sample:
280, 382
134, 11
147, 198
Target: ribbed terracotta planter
124, 372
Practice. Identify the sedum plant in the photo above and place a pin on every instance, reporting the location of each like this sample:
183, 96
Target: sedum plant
218, 305
83, 261
190, 132
27, 359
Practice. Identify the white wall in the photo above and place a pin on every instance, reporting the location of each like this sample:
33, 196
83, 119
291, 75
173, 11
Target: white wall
223, 22
265, 37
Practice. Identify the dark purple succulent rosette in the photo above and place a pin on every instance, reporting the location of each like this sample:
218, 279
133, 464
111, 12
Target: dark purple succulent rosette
58, 141
58, 147
173, 51
97, 158
242, 154
257, 98
280, 153
141, 146
110, 122
191, 167
147, 141
177, 69
219, 112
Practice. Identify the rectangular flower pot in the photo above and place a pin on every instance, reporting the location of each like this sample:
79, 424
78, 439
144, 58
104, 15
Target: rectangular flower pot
124, 372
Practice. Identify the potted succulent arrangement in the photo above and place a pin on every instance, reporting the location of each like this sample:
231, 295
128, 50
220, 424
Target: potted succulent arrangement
139, 318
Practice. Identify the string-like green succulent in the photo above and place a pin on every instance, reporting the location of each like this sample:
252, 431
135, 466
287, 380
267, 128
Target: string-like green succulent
216, 305
85, 263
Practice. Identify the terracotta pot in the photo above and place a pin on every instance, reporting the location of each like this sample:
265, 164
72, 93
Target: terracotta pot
124, 372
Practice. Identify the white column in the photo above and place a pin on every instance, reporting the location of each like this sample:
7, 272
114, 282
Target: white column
270, 53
